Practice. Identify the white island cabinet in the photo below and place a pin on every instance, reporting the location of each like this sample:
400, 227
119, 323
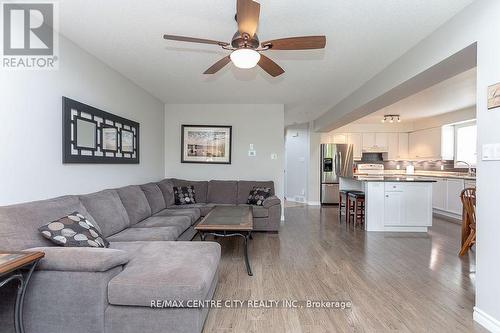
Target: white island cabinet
394, 204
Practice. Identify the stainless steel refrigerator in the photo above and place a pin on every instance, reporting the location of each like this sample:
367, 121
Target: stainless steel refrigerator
336, 161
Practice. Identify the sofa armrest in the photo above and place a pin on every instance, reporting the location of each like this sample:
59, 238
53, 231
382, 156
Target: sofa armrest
80, 259
271, 201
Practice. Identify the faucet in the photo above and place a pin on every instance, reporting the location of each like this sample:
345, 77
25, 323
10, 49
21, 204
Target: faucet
469, 171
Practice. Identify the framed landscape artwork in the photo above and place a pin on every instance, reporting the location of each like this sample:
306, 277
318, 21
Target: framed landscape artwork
206, 144
494, 96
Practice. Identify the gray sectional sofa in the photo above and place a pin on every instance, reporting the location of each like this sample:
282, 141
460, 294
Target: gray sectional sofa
150, 258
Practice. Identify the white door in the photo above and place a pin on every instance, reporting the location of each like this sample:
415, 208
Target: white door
394, 209
368, 141
392, 146
439, 193
453, 203
356, 139
418, 208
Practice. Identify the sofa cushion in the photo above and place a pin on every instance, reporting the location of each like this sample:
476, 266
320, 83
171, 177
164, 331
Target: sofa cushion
135, 203
154, 196
204, 208
257, 196
80, 259
107, 210
164, 271
73, 230
146, 234
200, 187
244, 188
167, 189
222, 191
19, 223
181, 222
184, 195
193, 213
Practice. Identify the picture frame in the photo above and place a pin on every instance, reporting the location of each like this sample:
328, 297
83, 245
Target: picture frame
206, 144
109, 138
91, 135
494, 96
127, 141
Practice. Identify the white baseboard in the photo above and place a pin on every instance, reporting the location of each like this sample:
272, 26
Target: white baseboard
485, 320
314, 203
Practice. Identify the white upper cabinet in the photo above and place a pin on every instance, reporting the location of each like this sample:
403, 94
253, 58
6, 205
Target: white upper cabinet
375, 142
339, 138
425, 144
403, 146
392, 146
381, 140
356, 139
368, 141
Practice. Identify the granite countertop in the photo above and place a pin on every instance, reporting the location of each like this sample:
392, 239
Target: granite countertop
392, 178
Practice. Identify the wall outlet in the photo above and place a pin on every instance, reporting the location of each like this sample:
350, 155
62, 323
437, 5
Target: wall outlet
252, 153
274, 156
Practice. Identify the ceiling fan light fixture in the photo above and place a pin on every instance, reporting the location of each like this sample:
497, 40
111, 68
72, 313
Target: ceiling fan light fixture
245, 58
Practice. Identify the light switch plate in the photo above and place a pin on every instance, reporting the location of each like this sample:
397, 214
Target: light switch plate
274, 156
491, 152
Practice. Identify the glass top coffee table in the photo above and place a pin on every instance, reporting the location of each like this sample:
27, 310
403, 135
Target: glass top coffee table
229, 221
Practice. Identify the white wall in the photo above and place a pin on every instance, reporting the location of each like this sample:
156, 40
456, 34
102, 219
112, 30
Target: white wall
478, 23
31, 137
261, 125
446, 119
297, 162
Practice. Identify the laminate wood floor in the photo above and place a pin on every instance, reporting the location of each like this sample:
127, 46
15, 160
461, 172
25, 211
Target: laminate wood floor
406, 282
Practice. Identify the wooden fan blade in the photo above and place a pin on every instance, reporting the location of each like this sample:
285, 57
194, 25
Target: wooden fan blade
297, 43
218, 65
194, 40
247, 15
270, 66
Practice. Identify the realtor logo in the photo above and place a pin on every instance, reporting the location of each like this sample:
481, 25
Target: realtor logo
29, 37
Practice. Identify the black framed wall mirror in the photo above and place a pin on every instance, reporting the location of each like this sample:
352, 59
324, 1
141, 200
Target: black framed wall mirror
91, 135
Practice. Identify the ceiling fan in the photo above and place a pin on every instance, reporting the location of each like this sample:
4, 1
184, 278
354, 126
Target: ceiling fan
246, 47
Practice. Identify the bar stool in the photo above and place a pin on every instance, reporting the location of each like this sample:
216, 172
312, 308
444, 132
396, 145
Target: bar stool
343, 204
356, 204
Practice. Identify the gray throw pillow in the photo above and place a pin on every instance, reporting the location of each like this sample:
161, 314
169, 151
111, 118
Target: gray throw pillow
184, 195
258, 195
73, 230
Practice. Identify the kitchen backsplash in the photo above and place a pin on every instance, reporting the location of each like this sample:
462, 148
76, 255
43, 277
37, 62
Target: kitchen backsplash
447, 165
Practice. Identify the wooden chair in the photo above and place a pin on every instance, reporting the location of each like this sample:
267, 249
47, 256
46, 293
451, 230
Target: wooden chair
468, 197
356, 205
343, 204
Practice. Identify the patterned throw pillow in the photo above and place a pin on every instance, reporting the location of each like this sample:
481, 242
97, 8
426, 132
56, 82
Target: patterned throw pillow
73, 230
258, 195
184, 195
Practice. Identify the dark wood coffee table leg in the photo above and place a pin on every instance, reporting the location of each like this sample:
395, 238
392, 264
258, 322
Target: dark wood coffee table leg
247, 261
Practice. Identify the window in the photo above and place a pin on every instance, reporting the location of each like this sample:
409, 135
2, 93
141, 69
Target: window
466, 143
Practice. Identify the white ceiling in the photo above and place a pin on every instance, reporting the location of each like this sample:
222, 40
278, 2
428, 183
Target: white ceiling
456, 93
363, 37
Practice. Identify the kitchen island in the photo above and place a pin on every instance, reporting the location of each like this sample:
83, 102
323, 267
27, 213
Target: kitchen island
394, 203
